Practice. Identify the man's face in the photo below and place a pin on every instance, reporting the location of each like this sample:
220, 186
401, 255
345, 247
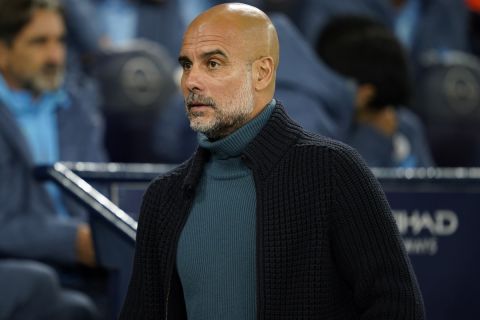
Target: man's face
216, 81
35, 59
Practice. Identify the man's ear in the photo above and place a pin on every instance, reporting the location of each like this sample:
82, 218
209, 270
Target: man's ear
3, 54
263, 73
365, 94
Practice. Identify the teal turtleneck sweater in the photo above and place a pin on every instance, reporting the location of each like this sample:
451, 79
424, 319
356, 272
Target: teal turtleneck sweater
216, 249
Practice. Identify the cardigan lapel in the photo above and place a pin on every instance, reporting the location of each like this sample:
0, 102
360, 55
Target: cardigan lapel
273, 141
194, 170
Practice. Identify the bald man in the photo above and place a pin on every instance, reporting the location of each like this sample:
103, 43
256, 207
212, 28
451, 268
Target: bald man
265, 220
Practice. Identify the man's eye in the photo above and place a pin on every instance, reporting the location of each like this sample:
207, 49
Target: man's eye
39, 41
186, 65
213, 64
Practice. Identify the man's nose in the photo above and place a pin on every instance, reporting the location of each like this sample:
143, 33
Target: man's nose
56, 53
193, 79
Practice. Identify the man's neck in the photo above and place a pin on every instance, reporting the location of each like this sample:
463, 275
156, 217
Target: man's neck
15, 86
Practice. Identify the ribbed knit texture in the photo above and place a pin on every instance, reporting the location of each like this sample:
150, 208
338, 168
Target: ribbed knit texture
216, 249
327, 244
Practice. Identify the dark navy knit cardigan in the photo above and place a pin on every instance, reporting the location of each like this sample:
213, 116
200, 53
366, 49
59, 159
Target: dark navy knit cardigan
327, 244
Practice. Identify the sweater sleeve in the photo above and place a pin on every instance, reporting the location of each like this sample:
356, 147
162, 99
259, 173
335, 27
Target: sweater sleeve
145, 296
35, 236
367, 245
29, 227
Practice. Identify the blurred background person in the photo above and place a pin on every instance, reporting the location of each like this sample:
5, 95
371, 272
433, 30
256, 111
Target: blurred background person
44, 119
421, 25
384, 132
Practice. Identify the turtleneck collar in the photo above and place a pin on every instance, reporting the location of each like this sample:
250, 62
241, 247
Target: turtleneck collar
233, 144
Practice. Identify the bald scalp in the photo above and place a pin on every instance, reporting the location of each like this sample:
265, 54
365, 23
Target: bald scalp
251, 26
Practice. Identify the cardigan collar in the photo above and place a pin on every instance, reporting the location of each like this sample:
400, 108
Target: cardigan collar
261, 154
273, 141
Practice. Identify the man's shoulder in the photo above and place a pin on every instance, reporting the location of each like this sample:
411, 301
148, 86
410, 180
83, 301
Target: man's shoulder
284, 133
338, 153
175, 173
170, 179
323, 143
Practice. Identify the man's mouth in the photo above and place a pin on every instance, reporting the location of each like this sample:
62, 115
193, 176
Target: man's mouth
197, 103
198, 106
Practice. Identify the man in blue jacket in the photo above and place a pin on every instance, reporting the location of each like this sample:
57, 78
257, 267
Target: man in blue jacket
42, 120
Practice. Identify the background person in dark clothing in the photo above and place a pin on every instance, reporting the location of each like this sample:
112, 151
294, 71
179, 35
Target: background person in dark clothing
384, 132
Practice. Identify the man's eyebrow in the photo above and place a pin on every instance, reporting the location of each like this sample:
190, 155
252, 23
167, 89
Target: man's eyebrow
208, 54
205, 56
183, 59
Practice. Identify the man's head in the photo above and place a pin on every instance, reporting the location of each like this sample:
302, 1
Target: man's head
362, 49
32, 50
229, 58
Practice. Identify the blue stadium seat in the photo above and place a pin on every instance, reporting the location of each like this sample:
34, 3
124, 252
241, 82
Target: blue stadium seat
448, 101
136, 82
135, 78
